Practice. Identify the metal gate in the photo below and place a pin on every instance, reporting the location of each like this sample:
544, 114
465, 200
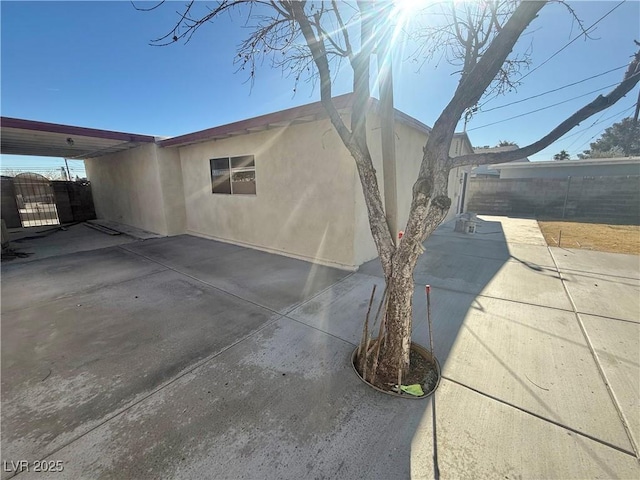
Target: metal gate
35, 200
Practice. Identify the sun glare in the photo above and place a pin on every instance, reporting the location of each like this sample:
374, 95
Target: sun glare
404, 10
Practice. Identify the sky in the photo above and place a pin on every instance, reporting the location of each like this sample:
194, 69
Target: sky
90, 64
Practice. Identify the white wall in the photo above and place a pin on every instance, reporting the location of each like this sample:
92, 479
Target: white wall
304, 202
170, 171
140, 187
456, 176
364, 246
309, 202
409, 144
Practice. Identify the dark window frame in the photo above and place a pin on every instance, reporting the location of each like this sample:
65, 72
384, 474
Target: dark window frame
223, 170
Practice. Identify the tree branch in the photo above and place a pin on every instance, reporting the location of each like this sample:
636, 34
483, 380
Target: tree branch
473, 85
632, 77
317, 48
347, 42
354, 140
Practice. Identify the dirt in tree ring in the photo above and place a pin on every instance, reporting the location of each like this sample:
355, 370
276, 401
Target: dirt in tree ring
422, 371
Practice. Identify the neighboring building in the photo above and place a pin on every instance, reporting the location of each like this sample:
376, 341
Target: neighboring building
490, 170
593, 167
282, 182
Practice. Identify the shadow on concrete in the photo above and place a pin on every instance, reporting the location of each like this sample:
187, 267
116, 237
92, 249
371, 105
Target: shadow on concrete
459, 267
184, 357
465, 272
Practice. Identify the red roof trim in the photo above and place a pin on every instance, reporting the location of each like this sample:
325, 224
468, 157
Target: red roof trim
7, 122
290, 114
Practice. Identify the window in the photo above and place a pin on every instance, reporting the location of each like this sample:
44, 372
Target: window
233, 175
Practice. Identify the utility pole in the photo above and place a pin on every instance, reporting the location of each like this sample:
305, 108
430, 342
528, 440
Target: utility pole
68, 172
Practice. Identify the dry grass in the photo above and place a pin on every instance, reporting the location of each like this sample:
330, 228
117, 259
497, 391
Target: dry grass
592, 236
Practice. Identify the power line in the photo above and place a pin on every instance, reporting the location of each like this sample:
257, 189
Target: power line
542, 108
584, 32
598, 122
574, 39
552, 91
601, 131
584, 130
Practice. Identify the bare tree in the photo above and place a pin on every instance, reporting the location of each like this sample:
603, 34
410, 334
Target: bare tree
309, 40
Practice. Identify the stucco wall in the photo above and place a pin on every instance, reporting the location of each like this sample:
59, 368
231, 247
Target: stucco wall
171, 183
141, 187
456, 178
364, 247
304, 202
409, 144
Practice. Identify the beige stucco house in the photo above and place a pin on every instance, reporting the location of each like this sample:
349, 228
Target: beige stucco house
282, 183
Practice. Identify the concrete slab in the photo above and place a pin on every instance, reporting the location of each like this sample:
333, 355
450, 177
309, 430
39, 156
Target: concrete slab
517, 230
536, 359
534, 345
534, 255
478, 437
134, 232
617, 346
55, 277
485, 230
604, 295
477, 246
182, 250
70, 363
509, 280
273, 281
501, 229
305, 416
44, 243
525, 283
467, 245
614, 264
264, 408
340, 311
235, 391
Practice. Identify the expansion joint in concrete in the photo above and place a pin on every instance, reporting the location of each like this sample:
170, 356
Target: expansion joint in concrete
541, 417
594, 355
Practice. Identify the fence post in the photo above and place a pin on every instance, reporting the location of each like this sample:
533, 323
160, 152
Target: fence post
566, 196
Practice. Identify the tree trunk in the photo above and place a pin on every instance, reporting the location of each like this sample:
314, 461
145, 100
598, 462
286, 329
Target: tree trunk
429, 207
394, 354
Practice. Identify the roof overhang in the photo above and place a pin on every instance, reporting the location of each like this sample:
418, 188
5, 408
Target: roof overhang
29, 137
284, 118
296, 115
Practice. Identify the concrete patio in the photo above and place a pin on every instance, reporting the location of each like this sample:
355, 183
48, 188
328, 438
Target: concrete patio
182, 358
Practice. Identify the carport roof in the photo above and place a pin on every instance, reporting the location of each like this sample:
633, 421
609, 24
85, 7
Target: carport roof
29, 137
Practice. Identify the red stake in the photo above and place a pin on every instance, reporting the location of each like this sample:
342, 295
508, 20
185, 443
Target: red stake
428, 289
